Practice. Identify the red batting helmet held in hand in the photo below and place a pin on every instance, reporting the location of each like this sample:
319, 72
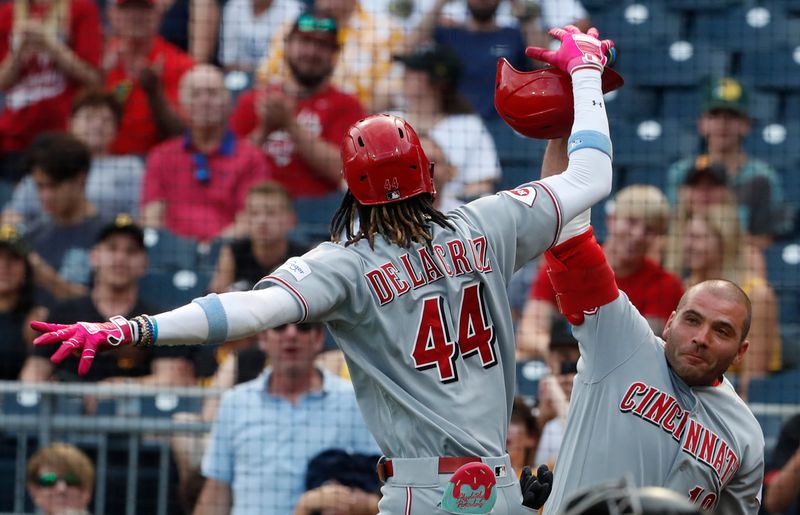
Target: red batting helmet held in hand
383, 161
539, 104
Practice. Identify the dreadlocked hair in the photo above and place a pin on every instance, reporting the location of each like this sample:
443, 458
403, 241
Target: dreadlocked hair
401, 223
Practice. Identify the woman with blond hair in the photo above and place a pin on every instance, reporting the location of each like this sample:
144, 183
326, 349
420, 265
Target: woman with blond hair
708, 243
60, 480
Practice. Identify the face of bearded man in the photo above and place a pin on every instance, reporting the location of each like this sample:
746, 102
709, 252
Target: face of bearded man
311, 60
482, 11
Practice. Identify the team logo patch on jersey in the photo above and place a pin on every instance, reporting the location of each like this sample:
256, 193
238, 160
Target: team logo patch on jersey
526, 195
471, 490
297, 267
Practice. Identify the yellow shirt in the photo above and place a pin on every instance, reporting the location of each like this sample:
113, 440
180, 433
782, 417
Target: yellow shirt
775, 363
365, 68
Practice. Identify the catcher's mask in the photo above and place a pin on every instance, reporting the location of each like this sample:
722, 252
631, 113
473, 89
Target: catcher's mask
383, 161
622, 498
539, 104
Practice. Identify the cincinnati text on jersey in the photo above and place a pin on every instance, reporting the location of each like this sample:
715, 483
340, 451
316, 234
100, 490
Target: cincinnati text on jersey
453, 258
662, 409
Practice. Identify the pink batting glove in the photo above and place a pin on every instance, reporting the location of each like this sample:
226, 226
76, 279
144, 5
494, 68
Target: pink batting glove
89, 338
577, 51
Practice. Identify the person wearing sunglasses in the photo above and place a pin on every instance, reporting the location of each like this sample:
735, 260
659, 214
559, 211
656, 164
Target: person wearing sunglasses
290, 413
364, 67
195, 184
299, 120
60, 480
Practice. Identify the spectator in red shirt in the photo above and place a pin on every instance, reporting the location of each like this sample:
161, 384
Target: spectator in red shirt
639, 218
144, 71
195, 185
48, 50
300, 122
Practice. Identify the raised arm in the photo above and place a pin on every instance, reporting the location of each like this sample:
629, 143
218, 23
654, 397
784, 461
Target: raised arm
578, 270
423, 32
587, 177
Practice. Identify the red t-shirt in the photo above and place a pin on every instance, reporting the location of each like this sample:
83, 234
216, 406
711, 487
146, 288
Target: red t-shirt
195, 208
137, 131
41, 98
652, 290
328, 114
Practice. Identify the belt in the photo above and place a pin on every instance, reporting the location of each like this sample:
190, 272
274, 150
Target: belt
447, 465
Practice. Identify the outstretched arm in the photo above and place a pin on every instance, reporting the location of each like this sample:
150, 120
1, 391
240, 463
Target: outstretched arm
210, 319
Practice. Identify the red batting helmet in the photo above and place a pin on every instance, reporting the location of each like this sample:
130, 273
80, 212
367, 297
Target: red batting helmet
383, 161
539, 104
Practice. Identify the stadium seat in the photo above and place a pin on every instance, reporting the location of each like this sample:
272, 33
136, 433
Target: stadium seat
208, 255
791, 6
31, 403
528, 375
771, 399
783, 272
600, 217
701, 5
6, 191
165, 248
638, 23
791, 186
173, 277
167, 404
237, 82
632, 102
776, 68
791, 110
595, 6
780, 388
652, 144
776, 143
771, 424
677, 63
169, 287
681, 104
512, 147
654, 176
684, 104
314, 217
746, 28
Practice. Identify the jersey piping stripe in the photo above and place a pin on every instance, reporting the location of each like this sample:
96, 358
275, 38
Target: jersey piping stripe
558, 210
408, 500
296, 293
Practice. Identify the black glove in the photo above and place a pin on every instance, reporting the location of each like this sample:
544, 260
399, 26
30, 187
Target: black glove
535, 490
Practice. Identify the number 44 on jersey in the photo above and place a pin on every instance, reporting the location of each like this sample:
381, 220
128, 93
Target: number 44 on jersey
434, 346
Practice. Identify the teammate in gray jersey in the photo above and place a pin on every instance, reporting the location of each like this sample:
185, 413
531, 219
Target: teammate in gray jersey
658, 411
416, 300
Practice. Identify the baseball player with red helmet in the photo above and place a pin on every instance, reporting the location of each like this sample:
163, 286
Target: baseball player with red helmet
416, 300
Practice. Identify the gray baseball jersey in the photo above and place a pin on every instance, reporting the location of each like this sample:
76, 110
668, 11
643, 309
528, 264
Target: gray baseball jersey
631, 414
426, 331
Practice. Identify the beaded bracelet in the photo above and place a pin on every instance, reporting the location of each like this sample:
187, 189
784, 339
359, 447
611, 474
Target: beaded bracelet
145, 325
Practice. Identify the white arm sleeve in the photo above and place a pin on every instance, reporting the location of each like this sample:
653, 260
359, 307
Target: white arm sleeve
246, 312
587, 179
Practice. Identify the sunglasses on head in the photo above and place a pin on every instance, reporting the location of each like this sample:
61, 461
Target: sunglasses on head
310, 23
49, 480
303, 328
